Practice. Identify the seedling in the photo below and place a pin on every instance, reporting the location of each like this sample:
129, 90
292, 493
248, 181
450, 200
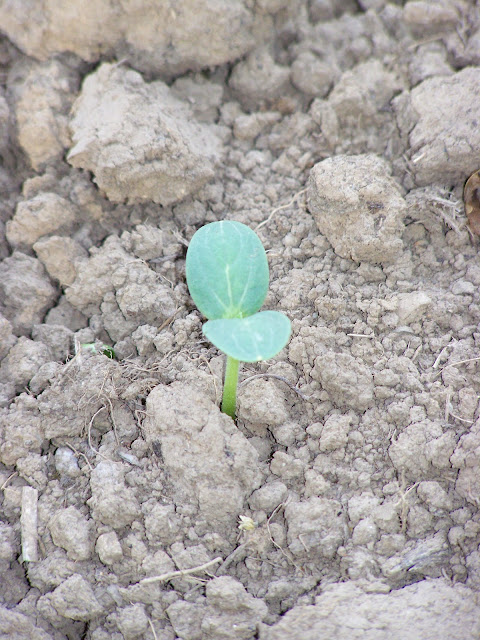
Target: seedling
227, 275
104, 348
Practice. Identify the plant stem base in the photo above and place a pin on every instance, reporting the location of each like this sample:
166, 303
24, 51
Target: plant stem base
229, 400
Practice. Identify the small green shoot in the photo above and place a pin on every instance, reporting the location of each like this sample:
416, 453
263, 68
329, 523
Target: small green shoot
104, 349
227, 275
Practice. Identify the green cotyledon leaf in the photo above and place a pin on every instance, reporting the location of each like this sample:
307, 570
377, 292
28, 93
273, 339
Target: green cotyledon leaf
227, 270
257, 337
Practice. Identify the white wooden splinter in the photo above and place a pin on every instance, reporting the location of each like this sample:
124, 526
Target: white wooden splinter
28, 524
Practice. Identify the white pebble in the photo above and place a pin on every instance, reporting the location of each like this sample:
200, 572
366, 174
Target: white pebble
66, 462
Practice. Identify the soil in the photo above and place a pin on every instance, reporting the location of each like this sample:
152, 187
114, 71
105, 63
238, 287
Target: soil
344, 500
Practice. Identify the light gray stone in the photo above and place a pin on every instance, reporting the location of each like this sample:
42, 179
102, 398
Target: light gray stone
108, 548
66, 462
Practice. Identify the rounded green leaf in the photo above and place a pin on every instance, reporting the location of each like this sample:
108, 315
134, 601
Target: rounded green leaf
258, 337
227, 270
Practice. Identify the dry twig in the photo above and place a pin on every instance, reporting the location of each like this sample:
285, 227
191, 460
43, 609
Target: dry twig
181, 572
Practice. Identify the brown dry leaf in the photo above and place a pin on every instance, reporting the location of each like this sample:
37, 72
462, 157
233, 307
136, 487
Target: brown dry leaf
471, 198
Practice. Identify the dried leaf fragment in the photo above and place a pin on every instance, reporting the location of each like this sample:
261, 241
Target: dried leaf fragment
471, 198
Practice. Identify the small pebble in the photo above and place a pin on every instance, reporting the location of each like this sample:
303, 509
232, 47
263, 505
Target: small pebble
66, 462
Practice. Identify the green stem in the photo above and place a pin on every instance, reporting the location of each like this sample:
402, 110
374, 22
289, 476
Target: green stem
229, 400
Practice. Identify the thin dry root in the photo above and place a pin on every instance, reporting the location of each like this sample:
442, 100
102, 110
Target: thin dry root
181, 572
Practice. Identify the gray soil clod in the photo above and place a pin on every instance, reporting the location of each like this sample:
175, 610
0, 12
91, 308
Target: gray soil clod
344, 501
